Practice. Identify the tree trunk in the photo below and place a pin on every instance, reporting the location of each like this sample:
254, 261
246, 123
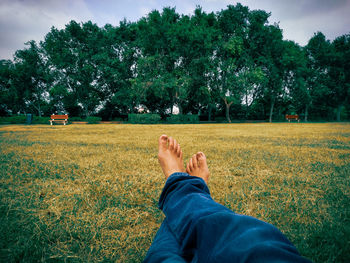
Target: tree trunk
180, 108
173, 99
228, 105
209, 112
111, 115
246, 103
279, 113
338, 112
228, 113
39, 109
306, 112
271, 110
85, 109
263, 111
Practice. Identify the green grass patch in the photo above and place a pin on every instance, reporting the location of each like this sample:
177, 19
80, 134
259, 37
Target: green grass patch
89, 193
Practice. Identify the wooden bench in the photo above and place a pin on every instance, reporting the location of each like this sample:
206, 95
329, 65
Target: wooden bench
59, 118
292, 117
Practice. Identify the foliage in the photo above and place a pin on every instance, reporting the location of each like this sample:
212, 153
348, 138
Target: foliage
93, 120
40, 120
340, 73
120, 119
181, 118
221, 119
10, 98
144, 118
232, 62
74, 118
21, 119
13, 119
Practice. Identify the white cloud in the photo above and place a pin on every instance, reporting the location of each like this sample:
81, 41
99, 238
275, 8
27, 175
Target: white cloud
333, 23
22, 21
143, 11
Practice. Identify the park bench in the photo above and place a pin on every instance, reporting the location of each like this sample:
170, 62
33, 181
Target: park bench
292, 117
59, 118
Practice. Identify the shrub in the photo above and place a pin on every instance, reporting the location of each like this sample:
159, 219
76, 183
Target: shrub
40, 120
19, 119
22, 119
220, 119
74, 118
144, 118
181, 118
93, 120
118, 119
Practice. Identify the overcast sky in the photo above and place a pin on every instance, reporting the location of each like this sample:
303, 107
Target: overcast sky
24, 20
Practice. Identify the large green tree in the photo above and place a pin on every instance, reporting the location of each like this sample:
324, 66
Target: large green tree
272, 66
294, 81
227, 59
72, 53
340, 73
196, 56
318, 93
32, 76
10, 98
116, 62
155, 77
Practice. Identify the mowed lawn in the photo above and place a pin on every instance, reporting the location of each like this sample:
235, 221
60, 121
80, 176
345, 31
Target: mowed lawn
89, 193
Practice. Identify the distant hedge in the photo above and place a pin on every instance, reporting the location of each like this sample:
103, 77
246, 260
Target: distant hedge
155, 118
132, 118
144, 118
74, 118
40, 120
183, 119
21, 119
93, 120
221, 119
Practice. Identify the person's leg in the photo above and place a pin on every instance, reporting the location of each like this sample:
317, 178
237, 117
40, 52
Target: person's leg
212, 233
206, 231
165, 247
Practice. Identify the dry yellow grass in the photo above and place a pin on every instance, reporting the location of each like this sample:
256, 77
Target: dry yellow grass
90, 192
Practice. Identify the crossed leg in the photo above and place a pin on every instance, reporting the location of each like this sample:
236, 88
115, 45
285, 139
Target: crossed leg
171, 161
198, 228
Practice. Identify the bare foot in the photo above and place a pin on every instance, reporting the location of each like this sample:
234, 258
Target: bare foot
170, 156
197, 166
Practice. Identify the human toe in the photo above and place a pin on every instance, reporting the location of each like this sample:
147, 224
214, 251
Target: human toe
201, 159
190, 163
194, 161
178, 150
188, 168
171, 143
176, 146
162, 142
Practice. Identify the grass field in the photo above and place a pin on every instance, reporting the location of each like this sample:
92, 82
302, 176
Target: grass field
89, 193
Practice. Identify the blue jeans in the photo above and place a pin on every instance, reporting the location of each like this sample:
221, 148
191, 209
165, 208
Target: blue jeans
197, 229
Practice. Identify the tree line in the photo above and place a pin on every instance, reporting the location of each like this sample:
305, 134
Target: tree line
231, 63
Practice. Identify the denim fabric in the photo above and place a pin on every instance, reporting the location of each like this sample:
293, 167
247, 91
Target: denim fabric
197, 229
